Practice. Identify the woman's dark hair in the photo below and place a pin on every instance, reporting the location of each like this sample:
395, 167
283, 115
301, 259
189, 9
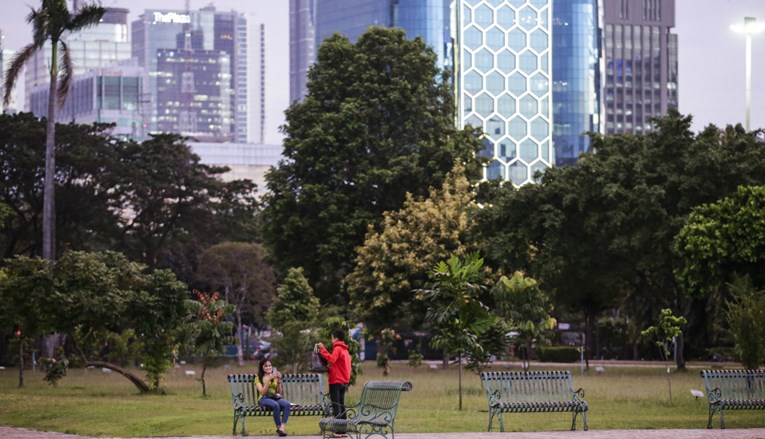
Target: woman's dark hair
260, 369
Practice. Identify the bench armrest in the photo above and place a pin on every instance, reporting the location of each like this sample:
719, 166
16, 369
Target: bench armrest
578, 395
238, 400
714, 396
494, 398
370, 413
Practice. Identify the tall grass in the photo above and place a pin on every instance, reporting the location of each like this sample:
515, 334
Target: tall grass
90, 402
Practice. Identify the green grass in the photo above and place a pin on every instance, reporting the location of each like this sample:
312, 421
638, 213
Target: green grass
92, 403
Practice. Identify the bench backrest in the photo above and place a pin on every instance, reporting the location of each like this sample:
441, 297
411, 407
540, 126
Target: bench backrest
304, 389
381, 398
536, 386
736, 384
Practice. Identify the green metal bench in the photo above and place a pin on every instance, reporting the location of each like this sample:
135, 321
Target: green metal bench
303, 391
374, 414
532, 392
733, 390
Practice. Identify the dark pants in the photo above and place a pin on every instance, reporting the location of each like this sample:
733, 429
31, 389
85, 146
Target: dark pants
337, 397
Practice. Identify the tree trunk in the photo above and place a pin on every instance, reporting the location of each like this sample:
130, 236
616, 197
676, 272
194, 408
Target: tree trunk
21, 362
459, 364
679, 357
139, 383
202, 376
49, 201
239, 352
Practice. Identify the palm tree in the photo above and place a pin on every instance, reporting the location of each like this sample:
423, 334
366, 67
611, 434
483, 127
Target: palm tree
50, 22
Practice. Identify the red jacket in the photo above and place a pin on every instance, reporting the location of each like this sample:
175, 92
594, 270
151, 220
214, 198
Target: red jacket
339, 363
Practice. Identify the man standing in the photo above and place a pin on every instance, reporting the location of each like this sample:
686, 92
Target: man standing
339, 374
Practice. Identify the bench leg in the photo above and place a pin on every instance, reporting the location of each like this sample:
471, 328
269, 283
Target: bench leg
237, 418
573, 420
712, 410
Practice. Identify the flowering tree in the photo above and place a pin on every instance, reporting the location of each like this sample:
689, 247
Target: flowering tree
211, 328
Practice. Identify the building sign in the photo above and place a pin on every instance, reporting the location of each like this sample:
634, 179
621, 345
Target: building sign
171, 17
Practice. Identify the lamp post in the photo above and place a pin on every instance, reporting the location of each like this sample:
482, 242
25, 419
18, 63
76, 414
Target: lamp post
749, 27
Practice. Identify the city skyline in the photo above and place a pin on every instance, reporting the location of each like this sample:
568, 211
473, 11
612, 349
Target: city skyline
711, 55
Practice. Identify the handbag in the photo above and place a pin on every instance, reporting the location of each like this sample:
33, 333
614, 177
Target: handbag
318, 363
273, 395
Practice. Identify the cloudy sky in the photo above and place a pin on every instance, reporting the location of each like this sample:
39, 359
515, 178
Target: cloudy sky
712, 56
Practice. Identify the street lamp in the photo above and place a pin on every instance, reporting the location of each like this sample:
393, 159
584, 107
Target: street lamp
749, 27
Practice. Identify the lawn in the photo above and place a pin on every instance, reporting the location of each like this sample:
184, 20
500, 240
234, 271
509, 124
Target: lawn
90, 402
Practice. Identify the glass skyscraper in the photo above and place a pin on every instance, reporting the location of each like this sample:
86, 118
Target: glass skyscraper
91, 48
500, 52
576, 75
640, 57
196, 72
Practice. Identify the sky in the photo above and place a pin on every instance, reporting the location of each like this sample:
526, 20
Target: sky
711, 55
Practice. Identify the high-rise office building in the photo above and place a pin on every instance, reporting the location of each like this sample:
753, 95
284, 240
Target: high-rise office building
5, 60
91, 48
107, 95
196, 72
500, 52
576, 76
640, 55
302, 45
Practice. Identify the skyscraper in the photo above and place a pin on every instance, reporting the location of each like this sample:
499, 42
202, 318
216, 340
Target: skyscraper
576, 75
196, 72
92, 48
640, 54
302, 45
499, 51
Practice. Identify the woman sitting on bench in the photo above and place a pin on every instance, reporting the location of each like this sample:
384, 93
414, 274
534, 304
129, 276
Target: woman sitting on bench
269, 388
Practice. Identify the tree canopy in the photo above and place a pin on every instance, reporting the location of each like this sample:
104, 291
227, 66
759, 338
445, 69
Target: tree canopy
377, 123
394, 261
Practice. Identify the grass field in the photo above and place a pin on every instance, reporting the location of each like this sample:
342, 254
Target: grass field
90, 402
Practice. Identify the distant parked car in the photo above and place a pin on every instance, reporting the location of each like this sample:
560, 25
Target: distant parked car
259, 350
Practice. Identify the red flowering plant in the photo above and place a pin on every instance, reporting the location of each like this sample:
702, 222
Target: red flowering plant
210, 327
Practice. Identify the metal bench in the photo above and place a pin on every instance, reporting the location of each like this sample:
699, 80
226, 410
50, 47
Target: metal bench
733, 390
303, 391
374, 414
531, 392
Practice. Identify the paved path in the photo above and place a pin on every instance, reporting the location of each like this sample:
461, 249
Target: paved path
750, 433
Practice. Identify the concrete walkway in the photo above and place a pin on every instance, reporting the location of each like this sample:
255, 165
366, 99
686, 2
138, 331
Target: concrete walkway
750, 433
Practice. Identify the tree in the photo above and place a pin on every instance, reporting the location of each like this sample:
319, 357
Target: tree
211, 328
377, 123
722, 239
247, 282
455, 309
294, 317
599, 235
84, 159
746, 319
93, 297
664, 333
170, 206
49, 23
24, 300
395, 260
527, 309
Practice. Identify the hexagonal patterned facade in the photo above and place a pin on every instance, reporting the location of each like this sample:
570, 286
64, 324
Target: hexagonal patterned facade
503, 83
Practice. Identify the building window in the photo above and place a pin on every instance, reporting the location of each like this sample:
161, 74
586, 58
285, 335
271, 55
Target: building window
652, 10
624, 9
